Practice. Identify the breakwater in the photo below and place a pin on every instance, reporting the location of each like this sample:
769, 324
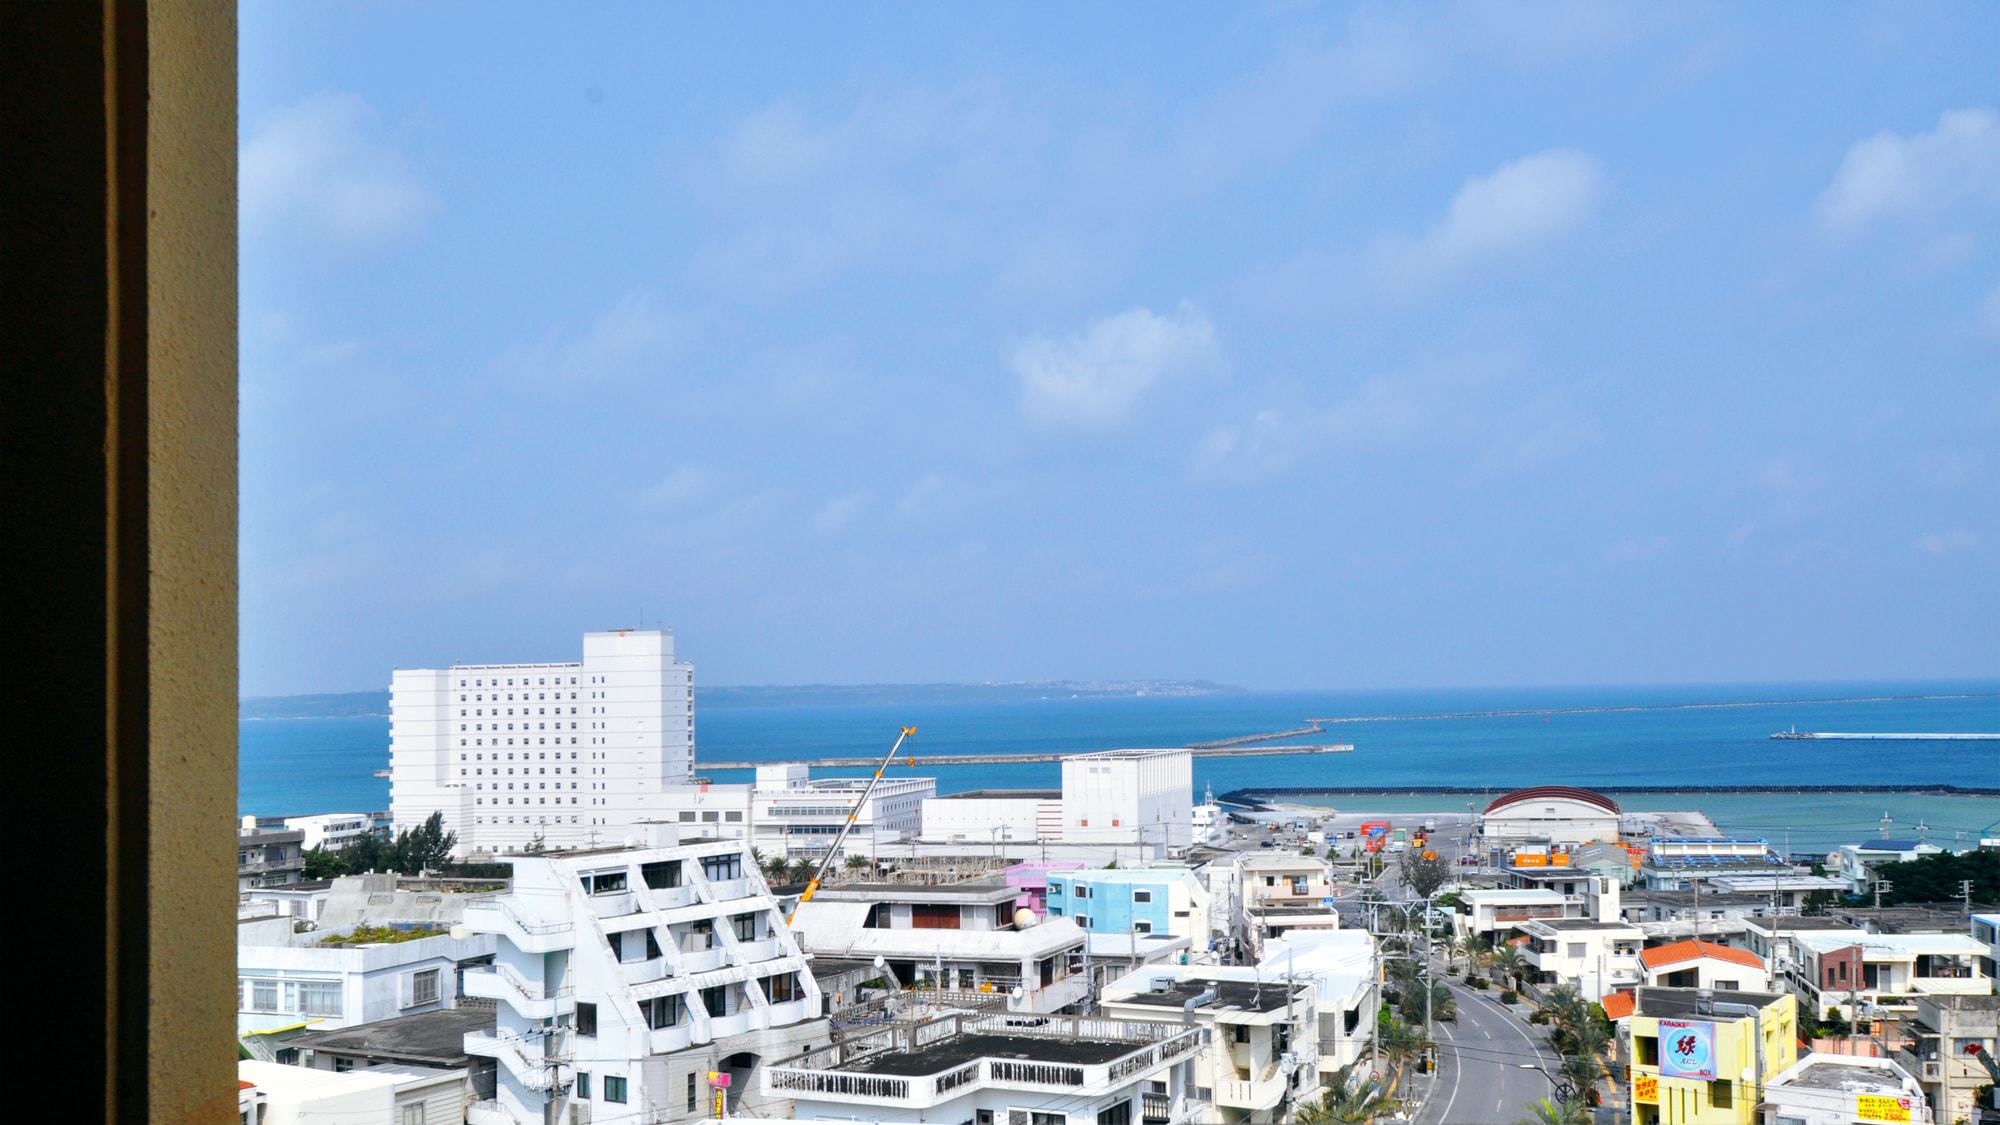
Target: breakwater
1207, 751
1254, 795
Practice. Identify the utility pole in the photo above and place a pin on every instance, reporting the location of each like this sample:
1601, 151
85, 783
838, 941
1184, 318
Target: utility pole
1965, 892
1880, 886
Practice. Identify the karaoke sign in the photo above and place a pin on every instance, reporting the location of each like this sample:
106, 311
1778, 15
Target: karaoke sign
1687, 1050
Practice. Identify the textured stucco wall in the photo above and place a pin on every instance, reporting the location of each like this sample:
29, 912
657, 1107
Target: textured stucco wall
191, 353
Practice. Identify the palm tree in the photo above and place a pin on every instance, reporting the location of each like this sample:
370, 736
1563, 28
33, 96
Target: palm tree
802, 869
1565, 1007
856, 864
1547, 1111
1444, 1008
1582, 1071
1347, 1102
1401, 1042
775, 868
1465, 946
1511, 964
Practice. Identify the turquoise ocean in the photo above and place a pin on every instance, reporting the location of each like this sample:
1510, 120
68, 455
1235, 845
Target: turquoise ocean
1603, 737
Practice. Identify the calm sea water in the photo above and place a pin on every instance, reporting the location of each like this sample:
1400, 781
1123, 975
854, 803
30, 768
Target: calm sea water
291, 767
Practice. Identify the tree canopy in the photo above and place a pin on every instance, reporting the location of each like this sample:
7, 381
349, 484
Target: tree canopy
1936, 878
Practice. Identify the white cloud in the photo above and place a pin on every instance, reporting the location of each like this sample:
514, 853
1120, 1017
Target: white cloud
316, 170
684, 484
1889, 176
839, 512
1096, 377
1943, 543
1635, 550
1517, 208
633, 337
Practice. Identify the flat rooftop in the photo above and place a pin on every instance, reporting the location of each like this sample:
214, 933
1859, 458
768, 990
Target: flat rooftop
978, 890
1856, 1077
1001, 794
434, 1038
1231, 995
1771, 923
1576, 924
961, 1049
1678, 1003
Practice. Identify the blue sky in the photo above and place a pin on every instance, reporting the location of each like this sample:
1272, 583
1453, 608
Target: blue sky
1273, 344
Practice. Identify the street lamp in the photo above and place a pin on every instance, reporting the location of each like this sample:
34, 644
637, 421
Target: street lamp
1564, 1091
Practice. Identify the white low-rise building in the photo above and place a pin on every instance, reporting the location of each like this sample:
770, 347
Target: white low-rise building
625, 976
961, 937
993, 818
1854, 864
1261, 1052
321, 980
332, 831
379, 1095
1884, 974
1822, 1089
1594, 958
786, 813
994, 1069
1704, 964
1494, 913
1275, 893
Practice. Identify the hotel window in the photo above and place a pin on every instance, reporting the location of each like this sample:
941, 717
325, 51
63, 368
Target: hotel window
318, 997
778, 989
718, 867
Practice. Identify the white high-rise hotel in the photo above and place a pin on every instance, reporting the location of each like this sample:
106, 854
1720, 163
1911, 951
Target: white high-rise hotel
574, 753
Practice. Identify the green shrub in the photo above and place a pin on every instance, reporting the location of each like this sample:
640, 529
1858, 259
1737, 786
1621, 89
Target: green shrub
1509, 997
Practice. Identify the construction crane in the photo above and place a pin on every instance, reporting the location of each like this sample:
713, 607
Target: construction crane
812, 885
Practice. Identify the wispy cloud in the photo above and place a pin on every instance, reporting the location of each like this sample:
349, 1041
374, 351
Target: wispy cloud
684, 485
1516, 209
1635, 549
318, 169
1891, 176
838, 512
633, 337
1097, 376
1945, 542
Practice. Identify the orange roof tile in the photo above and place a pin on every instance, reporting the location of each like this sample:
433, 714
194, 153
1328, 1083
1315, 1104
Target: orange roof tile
1618, 1005
1694, 951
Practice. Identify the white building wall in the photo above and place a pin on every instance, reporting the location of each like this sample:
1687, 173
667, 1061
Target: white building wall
1127, 796
573, 753
975, 820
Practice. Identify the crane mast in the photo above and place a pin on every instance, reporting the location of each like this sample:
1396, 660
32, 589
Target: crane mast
812, 885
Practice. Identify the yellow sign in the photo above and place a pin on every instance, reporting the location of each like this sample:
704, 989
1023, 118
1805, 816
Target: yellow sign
1646, 1089
1875, 1107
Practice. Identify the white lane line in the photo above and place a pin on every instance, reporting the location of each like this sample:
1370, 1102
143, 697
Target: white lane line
1457, 1078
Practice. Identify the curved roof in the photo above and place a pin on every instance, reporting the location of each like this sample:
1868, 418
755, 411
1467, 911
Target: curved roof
1565, 792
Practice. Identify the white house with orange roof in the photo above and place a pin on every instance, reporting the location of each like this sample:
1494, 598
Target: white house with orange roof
1704, 964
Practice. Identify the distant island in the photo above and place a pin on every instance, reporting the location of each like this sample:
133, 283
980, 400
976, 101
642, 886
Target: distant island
359, 704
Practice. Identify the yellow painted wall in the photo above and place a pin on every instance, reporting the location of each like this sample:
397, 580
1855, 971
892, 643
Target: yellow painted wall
1682, 1101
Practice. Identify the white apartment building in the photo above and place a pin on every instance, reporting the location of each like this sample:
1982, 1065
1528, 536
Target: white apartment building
625, 976
1262, 1047
995, 1069
317, 980
575, 754
1594, 958
1142, 797
1704, 964
1884, 974
969, 938
787, 813
1275, 893
1854, 864
332, 831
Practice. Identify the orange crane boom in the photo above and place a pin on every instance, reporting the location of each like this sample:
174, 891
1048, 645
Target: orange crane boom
812, 885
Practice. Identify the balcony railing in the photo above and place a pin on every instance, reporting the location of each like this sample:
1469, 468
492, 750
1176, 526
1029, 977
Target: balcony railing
832, 1072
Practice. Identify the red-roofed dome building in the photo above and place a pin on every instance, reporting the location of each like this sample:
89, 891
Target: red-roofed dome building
1554, 814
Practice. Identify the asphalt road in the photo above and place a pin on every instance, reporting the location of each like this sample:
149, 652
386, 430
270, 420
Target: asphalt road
1480, 1080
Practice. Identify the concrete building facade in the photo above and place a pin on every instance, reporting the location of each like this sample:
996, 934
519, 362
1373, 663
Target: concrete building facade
574, 754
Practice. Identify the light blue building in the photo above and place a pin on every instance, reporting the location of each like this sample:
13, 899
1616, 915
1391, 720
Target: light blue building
1155, 900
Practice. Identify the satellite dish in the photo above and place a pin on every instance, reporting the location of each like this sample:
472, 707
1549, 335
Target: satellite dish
1024, 918
458, 932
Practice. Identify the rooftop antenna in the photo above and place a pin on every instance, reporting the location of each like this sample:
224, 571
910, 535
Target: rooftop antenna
1887, 820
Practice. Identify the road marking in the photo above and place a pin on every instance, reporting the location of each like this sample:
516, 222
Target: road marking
1457, 1078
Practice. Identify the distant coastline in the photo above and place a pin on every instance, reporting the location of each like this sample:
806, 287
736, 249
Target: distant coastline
366, 704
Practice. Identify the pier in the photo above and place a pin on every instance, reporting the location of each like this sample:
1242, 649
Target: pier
1204, 751
1881, 737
